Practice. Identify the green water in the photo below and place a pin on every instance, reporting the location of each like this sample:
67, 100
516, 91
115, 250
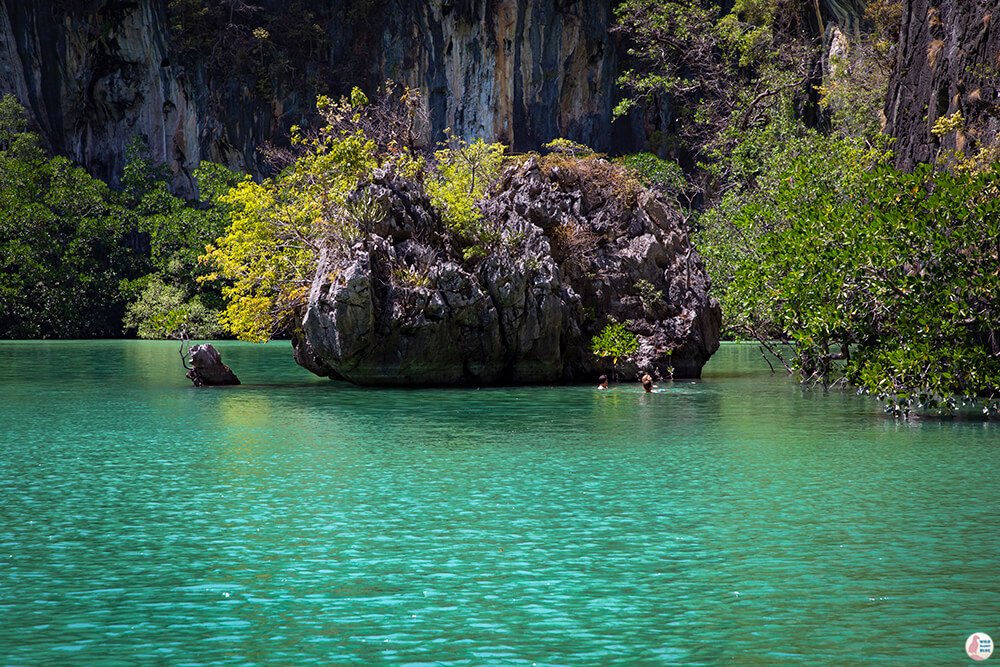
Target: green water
296, 521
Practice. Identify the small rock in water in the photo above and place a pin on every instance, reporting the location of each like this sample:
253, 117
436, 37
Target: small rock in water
207, 369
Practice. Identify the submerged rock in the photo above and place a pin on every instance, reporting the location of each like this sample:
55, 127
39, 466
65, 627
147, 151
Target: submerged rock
207, 368
568, 250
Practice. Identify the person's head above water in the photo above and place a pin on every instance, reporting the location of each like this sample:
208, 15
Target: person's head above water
647, 383
602, 382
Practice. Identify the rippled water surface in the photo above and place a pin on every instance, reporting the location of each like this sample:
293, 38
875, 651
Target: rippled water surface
297, 521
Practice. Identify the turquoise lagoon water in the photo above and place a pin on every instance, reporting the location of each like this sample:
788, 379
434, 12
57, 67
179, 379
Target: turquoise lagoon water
297, 521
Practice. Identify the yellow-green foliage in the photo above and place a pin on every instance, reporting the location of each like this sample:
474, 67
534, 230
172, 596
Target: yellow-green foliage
978, 163
464, 173
948, 124
568, 147
408, 276
266, 265
270, 250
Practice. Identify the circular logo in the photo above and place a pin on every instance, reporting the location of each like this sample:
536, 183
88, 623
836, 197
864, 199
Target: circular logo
979, 646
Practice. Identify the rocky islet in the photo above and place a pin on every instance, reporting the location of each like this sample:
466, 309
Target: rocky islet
404, 308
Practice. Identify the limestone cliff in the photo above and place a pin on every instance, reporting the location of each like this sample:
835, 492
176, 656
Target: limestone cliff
947, 63
515, 71
94, 73
404, 308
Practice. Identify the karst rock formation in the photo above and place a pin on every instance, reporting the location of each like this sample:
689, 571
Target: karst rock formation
404, 307
948, 62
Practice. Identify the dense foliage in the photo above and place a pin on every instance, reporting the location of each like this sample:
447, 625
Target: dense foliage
462, 176
270, 251
724, 73
876, 277
63, 245
901, 276
168, 300
78, 257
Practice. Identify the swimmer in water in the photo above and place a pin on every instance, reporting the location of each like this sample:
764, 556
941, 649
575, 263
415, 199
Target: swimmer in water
602, 382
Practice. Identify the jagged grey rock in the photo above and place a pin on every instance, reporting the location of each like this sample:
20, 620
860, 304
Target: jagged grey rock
404, 308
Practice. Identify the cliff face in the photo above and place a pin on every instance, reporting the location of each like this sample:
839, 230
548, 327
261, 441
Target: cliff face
93, 74
514, 71
97, 75
948, 62
88, 91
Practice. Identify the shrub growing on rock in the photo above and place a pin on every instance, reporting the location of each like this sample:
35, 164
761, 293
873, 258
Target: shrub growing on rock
614, 341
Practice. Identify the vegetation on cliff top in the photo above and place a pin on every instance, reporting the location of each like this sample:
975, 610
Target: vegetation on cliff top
268, 256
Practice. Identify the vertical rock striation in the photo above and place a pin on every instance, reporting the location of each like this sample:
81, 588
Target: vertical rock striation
94, 74
948, 61
513, 71
94, 77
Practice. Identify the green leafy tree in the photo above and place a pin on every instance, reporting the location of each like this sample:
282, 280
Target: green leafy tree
614, 341
462, 175
63, 246
77, 257
785, 181
718, 69
900, 280
268, 254
176, 233
168, 311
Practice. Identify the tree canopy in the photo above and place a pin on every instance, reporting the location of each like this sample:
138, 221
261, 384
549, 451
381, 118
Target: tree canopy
77, 258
